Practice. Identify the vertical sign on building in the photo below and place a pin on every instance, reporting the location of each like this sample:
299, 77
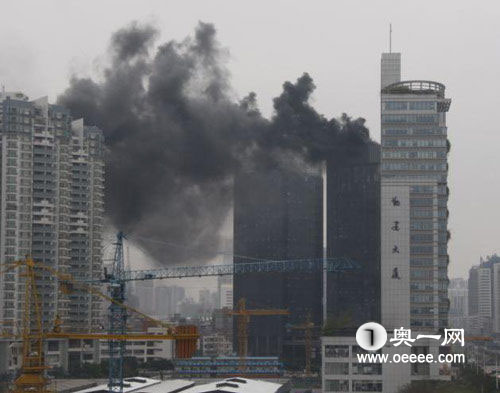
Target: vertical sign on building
395, 267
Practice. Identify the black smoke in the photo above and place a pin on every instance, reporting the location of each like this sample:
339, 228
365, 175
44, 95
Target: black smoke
176, 137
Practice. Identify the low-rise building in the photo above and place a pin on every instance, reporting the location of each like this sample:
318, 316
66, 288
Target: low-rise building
342, 370
225, 367
214, 345
230, 385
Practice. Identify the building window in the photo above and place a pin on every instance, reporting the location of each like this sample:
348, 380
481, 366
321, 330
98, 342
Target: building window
414, 143
422, 274
422, 238
430, 131
366, 369
422, 105
425, 225
422, 189
336, 368
410, 119
396, 132
421, 262
421, 249
53, 346
336, 385
337, 351
396, 105
366, 386
421, 212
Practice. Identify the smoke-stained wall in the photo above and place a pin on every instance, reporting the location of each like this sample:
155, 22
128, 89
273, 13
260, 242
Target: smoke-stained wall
277, 215
353, 231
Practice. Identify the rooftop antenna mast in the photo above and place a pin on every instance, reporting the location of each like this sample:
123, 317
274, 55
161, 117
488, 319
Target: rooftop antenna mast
390, 37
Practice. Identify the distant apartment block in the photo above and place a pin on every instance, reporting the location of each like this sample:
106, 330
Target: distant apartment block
156, 299
225, 292
214, 345
459, 310
483, 292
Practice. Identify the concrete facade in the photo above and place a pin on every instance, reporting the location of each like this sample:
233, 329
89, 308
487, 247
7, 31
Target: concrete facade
342, 371
52, 207
459, 310
414, 159
414, 215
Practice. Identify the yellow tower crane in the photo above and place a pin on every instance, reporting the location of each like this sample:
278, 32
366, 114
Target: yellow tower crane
32, 375
307, 327
244, 315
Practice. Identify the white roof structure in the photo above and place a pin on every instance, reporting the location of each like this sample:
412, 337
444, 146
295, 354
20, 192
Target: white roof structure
229, 385
236, 385
145, 385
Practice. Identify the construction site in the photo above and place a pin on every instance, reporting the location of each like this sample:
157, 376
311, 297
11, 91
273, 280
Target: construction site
34, 337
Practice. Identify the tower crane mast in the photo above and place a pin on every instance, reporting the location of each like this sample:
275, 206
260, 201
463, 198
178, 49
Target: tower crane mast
307, 328
117, 318
244, 315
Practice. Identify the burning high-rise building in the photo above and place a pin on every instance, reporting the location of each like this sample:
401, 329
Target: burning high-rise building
277, 215
353, 231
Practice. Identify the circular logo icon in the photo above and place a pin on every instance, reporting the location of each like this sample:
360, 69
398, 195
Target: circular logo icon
371, 336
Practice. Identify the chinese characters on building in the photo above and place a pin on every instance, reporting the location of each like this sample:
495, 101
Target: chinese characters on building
395, 228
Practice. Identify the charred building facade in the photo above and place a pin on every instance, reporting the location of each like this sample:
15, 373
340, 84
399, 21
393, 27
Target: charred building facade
353, 231
278, 215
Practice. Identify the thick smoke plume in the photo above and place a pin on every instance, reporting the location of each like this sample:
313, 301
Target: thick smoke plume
176, 138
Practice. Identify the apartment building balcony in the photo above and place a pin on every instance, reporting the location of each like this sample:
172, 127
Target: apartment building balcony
43, 159
79, 215
43, 220
80, 159
49, 142
44, 213
44, 194
44, 176
78, 230
44, 202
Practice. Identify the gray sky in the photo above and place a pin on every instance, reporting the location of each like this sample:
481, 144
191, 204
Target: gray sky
338, 42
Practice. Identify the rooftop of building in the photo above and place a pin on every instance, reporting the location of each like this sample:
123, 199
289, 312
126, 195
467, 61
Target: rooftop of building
423, 87
229, 385
235, 385
13, 95
145, 385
